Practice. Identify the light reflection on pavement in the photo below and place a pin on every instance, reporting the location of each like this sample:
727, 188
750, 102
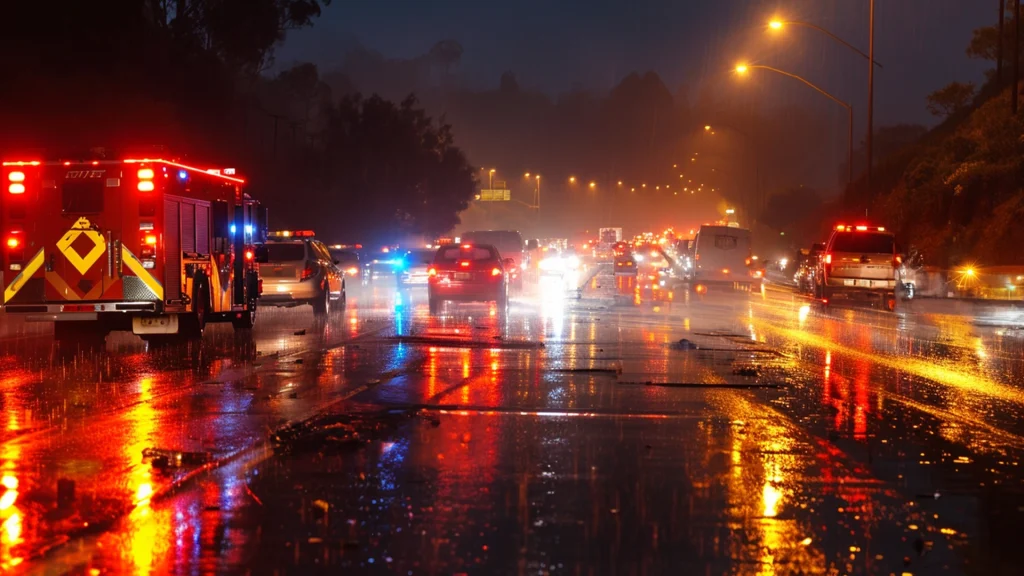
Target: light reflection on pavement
609, 446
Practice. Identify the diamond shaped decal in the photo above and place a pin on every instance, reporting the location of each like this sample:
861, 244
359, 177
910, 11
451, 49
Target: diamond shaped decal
81, 228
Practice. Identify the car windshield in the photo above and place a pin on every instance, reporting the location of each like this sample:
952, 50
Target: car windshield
864, 242
462, 253
283, 252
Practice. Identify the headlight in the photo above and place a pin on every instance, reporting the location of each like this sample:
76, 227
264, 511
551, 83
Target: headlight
574, 261
639, 258
550, 264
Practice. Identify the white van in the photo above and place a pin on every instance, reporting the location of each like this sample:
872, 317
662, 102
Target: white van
721, 257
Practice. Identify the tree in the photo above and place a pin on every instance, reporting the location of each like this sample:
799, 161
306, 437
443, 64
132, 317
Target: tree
951, 99
394, 169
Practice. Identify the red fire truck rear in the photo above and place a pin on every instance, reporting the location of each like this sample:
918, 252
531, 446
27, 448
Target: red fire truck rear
150, 245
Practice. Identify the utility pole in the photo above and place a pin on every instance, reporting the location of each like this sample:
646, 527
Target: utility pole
999, 44
871, 89
1016, 57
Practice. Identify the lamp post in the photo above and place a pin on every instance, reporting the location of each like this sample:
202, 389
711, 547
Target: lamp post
778, 24
742, 69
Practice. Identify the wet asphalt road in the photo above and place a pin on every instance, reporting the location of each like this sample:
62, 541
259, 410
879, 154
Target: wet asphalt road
635, 430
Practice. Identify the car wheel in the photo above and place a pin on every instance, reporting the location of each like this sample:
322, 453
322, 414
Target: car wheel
322, 303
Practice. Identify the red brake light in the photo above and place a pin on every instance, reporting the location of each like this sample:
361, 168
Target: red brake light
464, 263
13, 242
496, 272
248, 254
307, 273
862, 228
16, 188
145, 173
828, 258
431, 271
151, 239
16, 176
146, 186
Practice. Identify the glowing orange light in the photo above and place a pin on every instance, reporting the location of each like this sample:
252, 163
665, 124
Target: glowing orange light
150, 239
495, 272
146, 186
16, 176
248, 254
13, 242
16, 188
145, 173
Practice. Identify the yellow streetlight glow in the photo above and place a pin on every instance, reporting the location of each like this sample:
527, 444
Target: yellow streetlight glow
593, 184
572, 179
775, 24
741, 68
527, 175
538, 176
706, 127
620, 182
493, 170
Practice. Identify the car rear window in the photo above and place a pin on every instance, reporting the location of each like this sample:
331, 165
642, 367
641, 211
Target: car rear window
476, 253
864, 242
345, 257
420, 256
506, 241
283, 252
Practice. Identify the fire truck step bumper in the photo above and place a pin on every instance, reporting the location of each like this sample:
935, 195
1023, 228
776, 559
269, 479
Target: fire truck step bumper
63, 317
69, 311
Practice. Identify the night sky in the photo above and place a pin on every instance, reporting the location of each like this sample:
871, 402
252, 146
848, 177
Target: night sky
553, 44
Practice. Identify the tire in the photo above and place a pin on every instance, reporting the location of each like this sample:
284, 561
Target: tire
343, 300
322, 303
246, 321
193, 325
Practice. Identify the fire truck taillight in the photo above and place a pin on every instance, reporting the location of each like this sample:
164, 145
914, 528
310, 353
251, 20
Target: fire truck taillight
248, 255
17, 182
13, 242
146, 180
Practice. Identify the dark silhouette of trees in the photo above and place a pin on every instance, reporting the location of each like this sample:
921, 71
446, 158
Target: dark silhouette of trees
950, 99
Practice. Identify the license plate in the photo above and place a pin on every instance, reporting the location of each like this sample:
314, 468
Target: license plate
463, 276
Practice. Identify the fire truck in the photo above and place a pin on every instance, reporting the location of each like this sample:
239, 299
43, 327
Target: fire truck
150, 245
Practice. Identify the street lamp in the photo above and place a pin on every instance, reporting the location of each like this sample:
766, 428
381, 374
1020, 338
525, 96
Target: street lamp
777, 24
742, 69
572, 179
593, 185
490, 179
